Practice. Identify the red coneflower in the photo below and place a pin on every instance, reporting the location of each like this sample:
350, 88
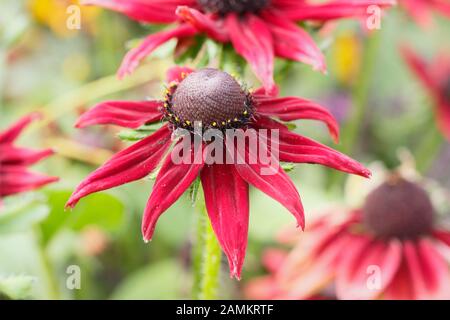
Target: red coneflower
421, 10
14, 175
435, 76
258, 29
391, 248
218, 101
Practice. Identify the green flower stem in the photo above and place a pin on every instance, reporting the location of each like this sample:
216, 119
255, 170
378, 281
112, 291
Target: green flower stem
428, 148
48, 274
206, 259
352, 128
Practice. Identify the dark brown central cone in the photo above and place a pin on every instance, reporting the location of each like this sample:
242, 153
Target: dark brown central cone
399, 209
227, 6
212, 97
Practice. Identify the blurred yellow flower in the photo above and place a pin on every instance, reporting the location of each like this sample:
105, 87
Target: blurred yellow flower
56, 14
346, 57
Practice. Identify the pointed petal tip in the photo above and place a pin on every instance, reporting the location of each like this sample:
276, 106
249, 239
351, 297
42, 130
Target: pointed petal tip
146, 240
235, 273
367, 173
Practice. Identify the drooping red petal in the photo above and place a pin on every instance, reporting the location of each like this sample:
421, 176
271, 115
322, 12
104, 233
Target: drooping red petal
334, 9
273, 259
299, 149
292, 42
10, 134
227, 203
429, 270
149, 44
443, 118
307, 279
16, 179
443, 6
270, 179
419, 10
204, 23
400, 287
128, 165
442, 235
172, 181
253, 40
154, 11
365, 274
421, 69
10, 155
177, 74
128, 114
293, 108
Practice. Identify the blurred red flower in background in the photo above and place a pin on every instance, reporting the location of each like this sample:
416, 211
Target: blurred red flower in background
14, 174
259, 30
421, 10
218, 101
435, 76
391, 248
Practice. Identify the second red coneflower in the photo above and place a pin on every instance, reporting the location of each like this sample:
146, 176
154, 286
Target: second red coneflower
259, 30
391, 248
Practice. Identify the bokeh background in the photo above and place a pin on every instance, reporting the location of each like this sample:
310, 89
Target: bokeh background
60, 72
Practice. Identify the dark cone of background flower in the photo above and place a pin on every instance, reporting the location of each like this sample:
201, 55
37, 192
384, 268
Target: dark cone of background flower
399, 209
238, 6
210, 96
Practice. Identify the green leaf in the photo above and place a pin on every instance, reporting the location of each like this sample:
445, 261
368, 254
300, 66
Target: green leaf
16, 287
163, 280
133, 135
288, 167
101, 209
22, 216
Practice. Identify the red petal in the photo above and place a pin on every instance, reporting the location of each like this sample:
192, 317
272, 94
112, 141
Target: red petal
153, 41
274, 259
400, 287
156, 11
171, 182
443, 118
355, 273
307, 279
429, 271
226, 198
292, 42
443, 6
277, 185
293, 108
298, 149
128, 165
420, 68
419, 11
177, 74
128, 114
337, 9
252, 39
203, 23
16, 179
10, 134
10, 155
